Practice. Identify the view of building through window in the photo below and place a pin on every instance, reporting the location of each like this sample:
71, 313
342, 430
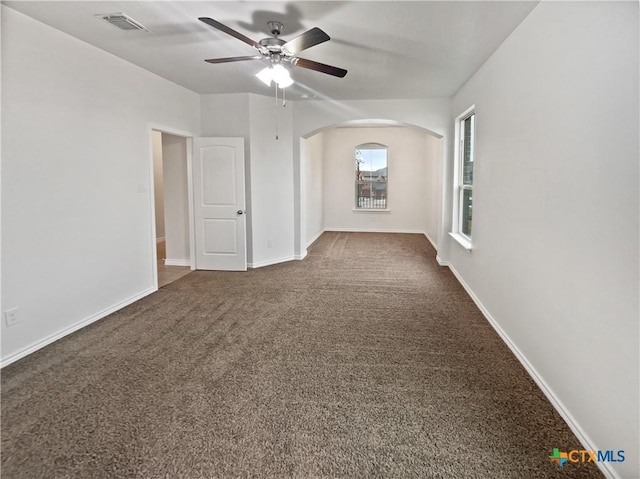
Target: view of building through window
466, 174
371, 176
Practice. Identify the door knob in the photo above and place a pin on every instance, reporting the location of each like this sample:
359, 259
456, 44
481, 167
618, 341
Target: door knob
240, 212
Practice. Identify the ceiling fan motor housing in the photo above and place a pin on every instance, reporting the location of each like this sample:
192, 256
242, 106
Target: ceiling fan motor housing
273, 44
275, 28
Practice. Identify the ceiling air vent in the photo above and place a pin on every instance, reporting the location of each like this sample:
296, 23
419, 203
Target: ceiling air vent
122, 21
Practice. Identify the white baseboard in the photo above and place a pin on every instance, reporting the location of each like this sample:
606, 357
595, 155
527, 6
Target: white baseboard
313, 240
433, 243
75, 327
442, 263
373, 230
262, 264
177, 262
300, 257
579, 432
160, 240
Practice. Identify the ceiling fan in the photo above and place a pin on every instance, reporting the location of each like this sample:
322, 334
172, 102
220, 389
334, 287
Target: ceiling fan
278, 51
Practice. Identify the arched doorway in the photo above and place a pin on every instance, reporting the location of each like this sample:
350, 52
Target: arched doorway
328, 171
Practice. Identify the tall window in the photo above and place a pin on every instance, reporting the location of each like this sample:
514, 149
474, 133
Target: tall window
464, 175
371, 176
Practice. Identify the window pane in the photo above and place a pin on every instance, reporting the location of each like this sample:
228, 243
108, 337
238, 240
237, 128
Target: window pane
371, 194
465, 219
467, 151
371, 176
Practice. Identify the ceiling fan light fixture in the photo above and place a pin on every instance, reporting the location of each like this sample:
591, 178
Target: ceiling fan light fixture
285, 82
281, 76
278, 74
265, 76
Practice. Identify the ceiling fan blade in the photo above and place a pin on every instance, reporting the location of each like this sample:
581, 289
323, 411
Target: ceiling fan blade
232, 59
229, 31
319, 67
308, 39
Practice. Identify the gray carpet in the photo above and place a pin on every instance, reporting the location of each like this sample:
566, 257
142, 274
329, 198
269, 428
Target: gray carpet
366, 359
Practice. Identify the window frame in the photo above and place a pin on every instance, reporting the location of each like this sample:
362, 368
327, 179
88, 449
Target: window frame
379, 146
459, 186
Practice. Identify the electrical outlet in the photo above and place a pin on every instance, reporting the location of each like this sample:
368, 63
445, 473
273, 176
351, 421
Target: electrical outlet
11, 316
269, 243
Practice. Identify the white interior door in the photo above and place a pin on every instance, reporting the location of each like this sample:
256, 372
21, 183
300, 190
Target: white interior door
219, 204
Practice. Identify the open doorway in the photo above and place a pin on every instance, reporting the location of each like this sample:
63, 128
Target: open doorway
341, 191
171, 202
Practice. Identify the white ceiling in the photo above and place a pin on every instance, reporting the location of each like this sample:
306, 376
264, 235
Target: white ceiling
392, 49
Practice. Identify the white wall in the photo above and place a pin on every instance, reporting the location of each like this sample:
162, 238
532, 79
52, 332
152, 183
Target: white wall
225, 115
555, 256
311, 116
158, 184
268, 167
76, 210
176, 200
271, 187
1, 207
228, 115
556, 216
274, 214
432, 114
407, 187
433, 188
311, 158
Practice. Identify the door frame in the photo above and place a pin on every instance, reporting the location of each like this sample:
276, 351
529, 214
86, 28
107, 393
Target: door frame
238, 211
188, 136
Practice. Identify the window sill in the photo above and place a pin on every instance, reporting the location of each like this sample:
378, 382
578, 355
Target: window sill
372, 210
464, 242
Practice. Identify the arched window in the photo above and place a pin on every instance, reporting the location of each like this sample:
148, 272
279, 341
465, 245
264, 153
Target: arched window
371, 176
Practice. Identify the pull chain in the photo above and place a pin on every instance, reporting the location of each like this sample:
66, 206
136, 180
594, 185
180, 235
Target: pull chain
276, 109
284, 105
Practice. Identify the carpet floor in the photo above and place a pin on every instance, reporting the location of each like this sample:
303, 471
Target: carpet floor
366, 359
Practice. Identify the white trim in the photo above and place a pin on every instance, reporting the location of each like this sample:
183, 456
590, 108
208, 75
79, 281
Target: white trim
75, 327
373, 145
462, 241
152, 210
314, 239
369, 123
441, 262
160, 240
575, 427
188, 136
371, 210
433, 243
170, 131
364, 230
300, 257
177, 262
457, 172
262, 264
192, 227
